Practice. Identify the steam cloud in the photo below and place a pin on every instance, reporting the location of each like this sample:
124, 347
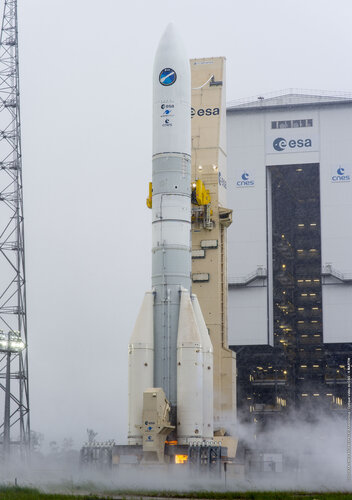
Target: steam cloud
314, 455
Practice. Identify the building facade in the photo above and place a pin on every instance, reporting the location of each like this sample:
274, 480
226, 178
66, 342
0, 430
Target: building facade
289, 252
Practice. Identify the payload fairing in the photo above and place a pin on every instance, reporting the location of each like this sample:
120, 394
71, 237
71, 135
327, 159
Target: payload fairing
170, 347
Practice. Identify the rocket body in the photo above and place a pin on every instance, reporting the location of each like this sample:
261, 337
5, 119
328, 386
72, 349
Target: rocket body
170, 345
171, 219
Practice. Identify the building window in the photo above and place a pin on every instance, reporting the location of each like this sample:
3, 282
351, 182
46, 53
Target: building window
284, 124
292, 123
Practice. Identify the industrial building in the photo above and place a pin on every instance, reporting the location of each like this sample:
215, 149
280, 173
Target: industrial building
289, 252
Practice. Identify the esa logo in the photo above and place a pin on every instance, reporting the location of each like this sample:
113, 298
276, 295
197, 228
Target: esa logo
205, 112
245, 180
341, 175
280, 144
222, 181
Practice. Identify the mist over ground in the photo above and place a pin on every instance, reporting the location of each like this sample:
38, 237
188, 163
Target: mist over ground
314, 459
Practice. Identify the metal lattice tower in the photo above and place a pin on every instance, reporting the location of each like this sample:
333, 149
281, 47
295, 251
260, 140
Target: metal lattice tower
14, 397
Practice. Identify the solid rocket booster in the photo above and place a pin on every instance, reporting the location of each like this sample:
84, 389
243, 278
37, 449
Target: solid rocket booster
140, 366
178, 356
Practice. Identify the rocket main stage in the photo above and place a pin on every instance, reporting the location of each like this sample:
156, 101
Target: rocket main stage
170, 352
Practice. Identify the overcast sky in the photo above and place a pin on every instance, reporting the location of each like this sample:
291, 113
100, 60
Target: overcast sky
85, 69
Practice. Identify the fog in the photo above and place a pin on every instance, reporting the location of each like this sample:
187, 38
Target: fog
314, 454
85, 70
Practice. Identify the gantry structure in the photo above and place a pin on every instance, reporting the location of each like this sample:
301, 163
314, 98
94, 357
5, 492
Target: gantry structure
14, 395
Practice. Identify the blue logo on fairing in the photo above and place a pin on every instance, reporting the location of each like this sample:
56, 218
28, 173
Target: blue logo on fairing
167, 77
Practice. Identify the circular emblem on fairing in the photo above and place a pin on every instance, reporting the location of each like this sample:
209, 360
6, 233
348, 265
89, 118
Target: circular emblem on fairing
167, 77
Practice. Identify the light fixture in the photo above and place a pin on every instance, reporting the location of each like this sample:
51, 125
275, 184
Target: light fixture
11, 341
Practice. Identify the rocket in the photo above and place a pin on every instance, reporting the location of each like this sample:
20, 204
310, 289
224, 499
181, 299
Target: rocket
170, 347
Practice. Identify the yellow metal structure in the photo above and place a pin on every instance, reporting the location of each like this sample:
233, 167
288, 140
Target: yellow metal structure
200, 195
149, 199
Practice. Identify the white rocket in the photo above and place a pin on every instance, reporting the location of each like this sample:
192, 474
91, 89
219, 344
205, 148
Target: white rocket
170, 346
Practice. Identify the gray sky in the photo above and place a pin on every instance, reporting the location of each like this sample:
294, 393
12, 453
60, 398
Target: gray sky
86, 87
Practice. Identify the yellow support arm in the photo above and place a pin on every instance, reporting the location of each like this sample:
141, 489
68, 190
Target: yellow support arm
200, 195
149, 199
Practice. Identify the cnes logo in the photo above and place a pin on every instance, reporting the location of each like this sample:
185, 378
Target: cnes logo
245, 181
341, 175
281, 144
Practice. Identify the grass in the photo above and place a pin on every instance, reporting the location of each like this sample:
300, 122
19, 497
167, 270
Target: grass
18, 493
234, 495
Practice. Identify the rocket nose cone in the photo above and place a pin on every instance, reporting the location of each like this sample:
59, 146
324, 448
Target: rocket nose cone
171, 40
170, 32
171, 86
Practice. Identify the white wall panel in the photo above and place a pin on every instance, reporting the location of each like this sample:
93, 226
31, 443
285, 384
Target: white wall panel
247, 316
292, 146
337, 313
247, 236
336, 213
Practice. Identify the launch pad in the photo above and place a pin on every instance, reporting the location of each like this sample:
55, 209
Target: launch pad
197, 457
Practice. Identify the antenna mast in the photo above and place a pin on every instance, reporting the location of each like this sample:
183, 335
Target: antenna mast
14, 396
